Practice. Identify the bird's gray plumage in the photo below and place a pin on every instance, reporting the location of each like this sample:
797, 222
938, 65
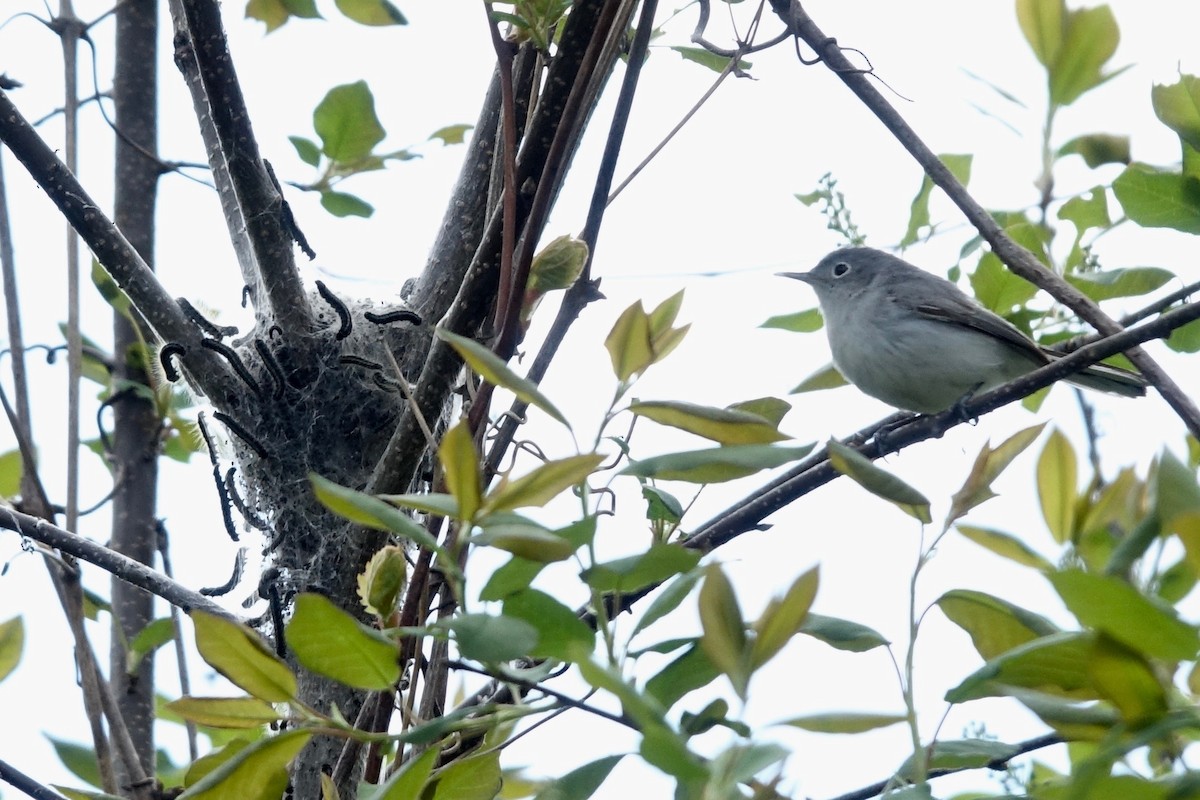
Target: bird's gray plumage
918, 342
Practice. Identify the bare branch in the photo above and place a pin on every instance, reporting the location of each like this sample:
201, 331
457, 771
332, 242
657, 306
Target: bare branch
202, 54
124, 568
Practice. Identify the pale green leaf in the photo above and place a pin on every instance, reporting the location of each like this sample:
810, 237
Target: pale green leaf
878, 482
1111, 605
345, 121
1006, 545
242, 656
330, 642
783, 618
717, 464
826, 377
12, 643
844, 722
494, 371
257, 772
718, 424
225, 712
543, 484
724, 637
1057, 478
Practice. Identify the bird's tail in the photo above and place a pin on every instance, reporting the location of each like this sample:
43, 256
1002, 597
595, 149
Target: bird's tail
1106, 378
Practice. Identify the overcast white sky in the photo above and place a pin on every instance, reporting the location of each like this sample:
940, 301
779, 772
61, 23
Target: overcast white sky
715, 214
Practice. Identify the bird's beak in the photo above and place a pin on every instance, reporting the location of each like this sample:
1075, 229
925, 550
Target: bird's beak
800, 276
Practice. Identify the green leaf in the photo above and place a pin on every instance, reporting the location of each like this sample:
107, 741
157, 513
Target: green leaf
581, 782
716, 464
147, 640
878, 482
492, 639
783, 618
1127, 680
12, 468
661, 506
110, 291
308, 150
382, 581
225, 712
1173, 490
1056, 664
559, 630
513, 576
1056, 481
12, 643
1042, 22
1086, 211
1178, 106
1006, 545
1185, 338
724, 637
557, 265
524, 538
473, 778
1130, 282
772, 409
994, 625
709, 59
242, 656
460, 463
346, 123
543, 484
800, 322
687, 672
718, 424
998, 289
1110, 605
842, 634
826, 377
341, 204
628, 343
632, 573
1090, 37
79, 760
918, 217
370, 512
330, 642
667, 600
492, 369
1157, 199
407, 782
1098, 149
962, 754
977, 488
844, 722
371, 12
256, 772
452, 134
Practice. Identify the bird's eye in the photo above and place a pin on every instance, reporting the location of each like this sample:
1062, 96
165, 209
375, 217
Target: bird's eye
840, 269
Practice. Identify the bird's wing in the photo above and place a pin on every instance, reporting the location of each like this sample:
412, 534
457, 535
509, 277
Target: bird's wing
958, 309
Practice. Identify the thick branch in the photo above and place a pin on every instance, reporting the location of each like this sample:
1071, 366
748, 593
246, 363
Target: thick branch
202, 54
124, 568
1019, 260
113, 251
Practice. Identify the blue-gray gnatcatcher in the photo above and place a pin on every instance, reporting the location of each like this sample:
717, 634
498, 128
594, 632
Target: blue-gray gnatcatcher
917, 342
